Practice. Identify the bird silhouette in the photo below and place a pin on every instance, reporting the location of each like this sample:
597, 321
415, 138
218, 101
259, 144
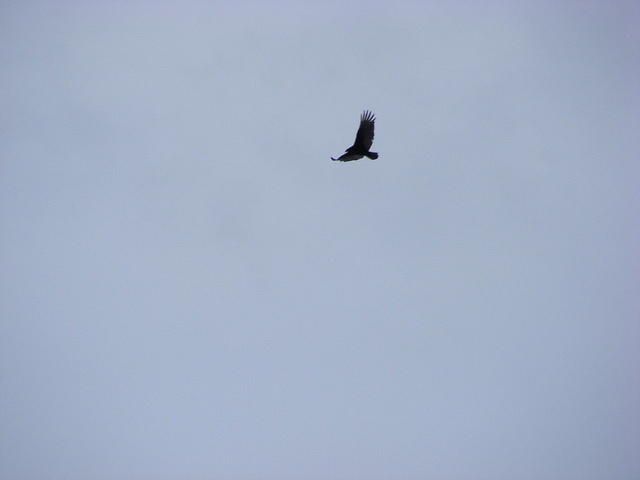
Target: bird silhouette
364, 140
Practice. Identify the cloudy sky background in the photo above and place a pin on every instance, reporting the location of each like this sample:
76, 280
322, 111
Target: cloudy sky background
190, 288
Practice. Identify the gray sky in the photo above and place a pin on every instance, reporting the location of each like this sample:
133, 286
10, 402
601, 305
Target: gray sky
190, 288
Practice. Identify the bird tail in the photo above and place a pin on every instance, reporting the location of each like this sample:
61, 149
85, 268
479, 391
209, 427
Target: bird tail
371, 155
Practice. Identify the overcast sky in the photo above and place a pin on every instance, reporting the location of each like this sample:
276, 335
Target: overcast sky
191, 289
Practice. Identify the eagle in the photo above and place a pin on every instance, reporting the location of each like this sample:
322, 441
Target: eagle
364, 140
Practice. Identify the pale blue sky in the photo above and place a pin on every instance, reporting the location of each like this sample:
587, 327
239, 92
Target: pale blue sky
191, 288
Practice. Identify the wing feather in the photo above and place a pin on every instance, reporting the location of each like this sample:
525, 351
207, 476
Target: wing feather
364, 137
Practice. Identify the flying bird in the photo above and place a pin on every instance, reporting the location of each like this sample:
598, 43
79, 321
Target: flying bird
364, 140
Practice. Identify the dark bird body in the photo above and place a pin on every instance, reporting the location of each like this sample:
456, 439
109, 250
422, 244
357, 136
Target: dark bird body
364, 140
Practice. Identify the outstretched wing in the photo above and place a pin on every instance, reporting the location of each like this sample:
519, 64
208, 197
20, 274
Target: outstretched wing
364, 137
